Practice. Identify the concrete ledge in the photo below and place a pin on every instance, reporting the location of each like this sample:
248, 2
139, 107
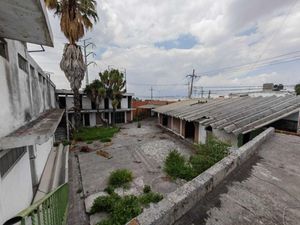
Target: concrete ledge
179, 202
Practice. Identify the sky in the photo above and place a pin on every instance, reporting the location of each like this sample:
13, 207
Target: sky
160, 42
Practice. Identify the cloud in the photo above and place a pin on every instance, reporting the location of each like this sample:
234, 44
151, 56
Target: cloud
160, 42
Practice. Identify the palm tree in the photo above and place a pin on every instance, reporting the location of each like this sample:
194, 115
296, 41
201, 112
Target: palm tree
113, 83
75, 18
96, 92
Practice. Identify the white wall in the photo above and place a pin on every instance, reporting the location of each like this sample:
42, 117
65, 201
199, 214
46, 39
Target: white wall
42, 152
86, 103
20, 93
202, 134
124, 103
15, 189
92, 119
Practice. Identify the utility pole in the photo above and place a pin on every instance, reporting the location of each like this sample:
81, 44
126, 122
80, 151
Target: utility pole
209, 94
151, 89
86, 43
193, 76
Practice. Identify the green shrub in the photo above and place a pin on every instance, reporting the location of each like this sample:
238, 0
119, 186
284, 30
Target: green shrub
177, 167
150, 197
105, 140
125, 209
66, 142
121, 210
89, 142
146, 189
105, 203
120, 178
109, 190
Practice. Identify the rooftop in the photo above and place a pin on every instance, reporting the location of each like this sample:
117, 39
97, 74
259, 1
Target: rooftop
264, 191
37, 131
25, 20
234, 115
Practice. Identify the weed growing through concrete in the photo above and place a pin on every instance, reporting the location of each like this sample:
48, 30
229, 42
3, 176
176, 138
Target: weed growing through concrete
120, 178
207, 155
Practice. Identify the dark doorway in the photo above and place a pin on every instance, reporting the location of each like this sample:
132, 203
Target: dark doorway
62, 102
189, 130
86, 119
120, 117
165, 121
106, 103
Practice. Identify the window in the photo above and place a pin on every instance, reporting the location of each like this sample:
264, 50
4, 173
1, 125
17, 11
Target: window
40, 78
106, 103
23, 65
129, 101
32, 71
9, 157
3, 48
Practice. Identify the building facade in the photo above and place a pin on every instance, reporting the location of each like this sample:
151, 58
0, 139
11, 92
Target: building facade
28, 116
90, 117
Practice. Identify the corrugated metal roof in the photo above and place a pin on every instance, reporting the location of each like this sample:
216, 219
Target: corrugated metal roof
234, 115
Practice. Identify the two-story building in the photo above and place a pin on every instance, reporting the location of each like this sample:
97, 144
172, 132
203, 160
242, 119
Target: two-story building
124, 111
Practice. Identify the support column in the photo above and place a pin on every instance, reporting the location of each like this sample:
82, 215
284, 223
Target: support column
180, 127
125, 116
109, 118
172, 123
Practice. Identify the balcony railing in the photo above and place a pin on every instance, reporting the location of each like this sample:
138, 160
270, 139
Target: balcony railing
50, 210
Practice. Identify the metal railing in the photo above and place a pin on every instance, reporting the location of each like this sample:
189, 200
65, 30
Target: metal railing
50, 210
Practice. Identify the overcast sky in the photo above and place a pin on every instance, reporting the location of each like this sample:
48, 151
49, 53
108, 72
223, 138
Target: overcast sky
160, 42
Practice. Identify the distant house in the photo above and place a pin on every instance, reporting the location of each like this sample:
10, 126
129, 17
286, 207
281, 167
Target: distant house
233, 120
144, 108
28, 115
89, 111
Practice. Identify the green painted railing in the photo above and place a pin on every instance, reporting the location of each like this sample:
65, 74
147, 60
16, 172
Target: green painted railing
50, 210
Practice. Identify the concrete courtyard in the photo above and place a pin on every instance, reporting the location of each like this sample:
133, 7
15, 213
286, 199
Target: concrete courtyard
141, 150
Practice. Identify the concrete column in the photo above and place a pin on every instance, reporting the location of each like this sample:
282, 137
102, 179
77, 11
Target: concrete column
202, 134
125, 116
109, 118
172, 123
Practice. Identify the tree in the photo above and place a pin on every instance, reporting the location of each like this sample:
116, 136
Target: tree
96, 92
75, 18
297, 89
113, 83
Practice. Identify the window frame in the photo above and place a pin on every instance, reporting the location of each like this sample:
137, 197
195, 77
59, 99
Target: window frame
25, 69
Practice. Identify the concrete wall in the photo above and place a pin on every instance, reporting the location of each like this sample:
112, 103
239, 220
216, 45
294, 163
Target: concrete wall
41, 153
124, 102
16, 189
23, 96
225, 137
176, 125
179, 202
197, 133
202, 134
86, 103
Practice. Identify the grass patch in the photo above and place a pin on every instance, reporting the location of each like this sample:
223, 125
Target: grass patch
207, 155
89, 142
120, 178
95, 133
104, 140
150, 197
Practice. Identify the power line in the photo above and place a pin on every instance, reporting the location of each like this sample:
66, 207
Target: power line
274, 34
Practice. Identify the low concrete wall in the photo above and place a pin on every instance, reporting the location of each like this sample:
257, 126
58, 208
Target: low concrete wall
179, 202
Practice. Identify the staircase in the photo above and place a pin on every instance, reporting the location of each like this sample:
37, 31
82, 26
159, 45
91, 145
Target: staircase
61, 131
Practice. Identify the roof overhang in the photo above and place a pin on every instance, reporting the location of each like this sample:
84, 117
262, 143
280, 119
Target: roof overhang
25, 20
